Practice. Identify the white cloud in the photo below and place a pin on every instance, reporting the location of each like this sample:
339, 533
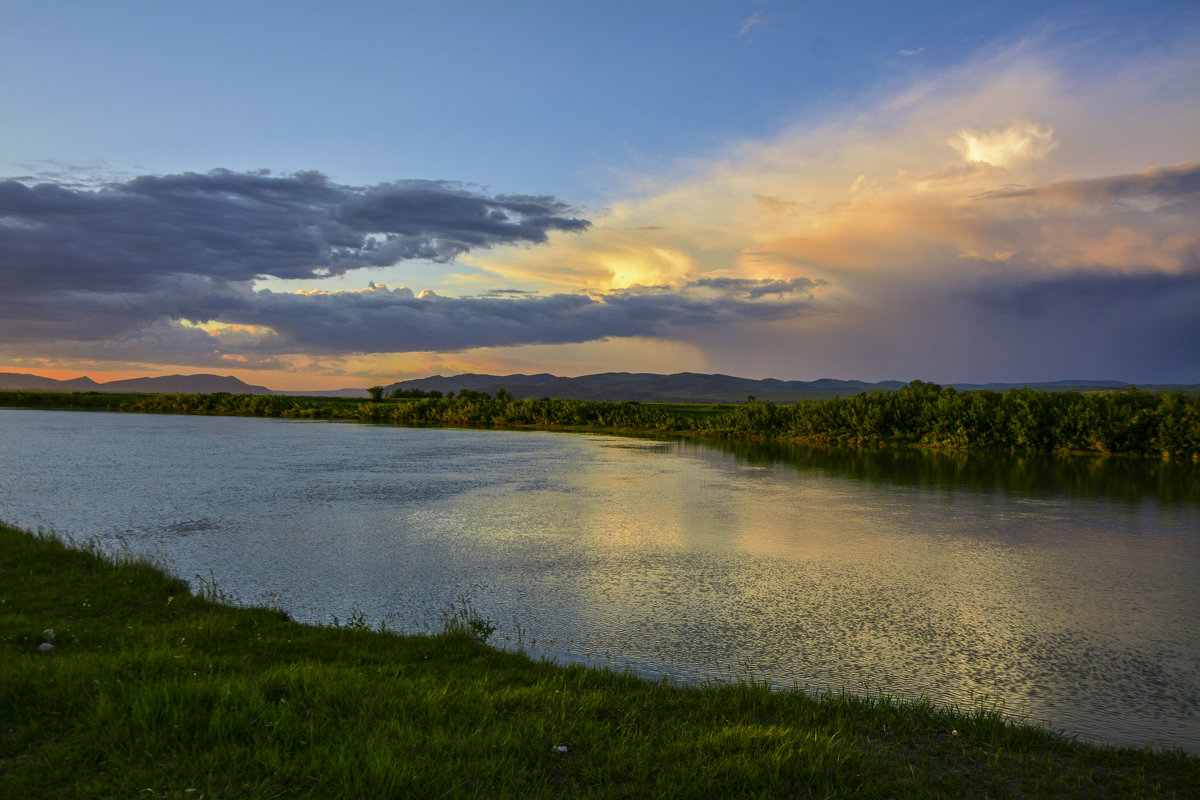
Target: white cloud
755, 20
1018, 144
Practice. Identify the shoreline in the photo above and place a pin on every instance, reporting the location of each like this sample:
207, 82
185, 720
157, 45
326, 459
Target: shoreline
1131, 424
147, 685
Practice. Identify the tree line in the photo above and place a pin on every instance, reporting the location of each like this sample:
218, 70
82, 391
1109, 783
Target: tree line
377, 394
1132, 421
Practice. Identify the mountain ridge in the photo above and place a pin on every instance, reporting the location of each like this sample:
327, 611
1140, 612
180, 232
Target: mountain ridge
679, 387
692, 387
202, 383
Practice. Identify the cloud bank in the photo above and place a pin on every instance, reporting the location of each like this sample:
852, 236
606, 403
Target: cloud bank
381, 319
145, 264
1025, 216
228, 226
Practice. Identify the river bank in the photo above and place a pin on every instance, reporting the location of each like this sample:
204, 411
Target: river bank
1130, 422
117, 681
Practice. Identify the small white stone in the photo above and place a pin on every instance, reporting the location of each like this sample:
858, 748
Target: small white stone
48, 635
44, 646
562, 748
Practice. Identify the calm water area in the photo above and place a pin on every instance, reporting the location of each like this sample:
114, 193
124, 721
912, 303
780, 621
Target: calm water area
1065, 589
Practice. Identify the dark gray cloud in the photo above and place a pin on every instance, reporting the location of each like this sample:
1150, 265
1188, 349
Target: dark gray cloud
754, 289
1170, 185
119, 269
143, 234
394, 320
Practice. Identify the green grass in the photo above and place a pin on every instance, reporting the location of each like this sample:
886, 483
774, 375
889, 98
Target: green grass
150, 691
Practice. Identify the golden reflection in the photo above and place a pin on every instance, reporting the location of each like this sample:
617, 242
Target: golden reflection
815, 577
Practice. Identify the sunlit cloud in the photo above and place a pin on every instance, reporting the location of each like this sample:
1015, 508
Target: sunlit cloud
1017, 144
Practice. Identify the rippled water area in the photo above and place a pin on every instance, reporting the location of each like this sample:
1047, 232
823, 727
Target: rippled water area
1066, 590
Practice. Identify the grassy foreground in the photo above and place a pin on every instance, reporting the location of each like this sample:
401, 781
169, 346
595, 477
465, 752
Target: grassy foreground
149, 691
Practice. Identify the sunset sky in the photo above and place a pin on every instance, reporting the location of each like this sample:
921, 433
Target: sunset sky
312, 195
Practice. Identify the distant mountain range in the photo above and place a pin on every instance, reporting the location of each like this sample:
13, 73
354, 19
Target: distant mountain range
164, 384
682, 387
691, 387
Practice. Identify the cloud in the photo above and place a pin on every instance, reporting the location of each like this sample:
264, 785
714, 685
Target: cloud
384, 320
1166, 188
755, 20
910, 52
754, 289
151, 231
953, 224
164, 267
1017, 144
1025, 170
113, 263
1133, 223
212, 321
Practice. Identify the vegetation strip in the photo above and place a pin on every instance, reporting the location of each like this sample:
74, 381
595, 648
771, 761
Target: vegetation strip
116, 681
1131, 422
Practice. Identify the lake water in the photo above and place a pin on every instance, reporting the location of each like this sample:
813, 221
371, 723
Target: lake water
1065, 589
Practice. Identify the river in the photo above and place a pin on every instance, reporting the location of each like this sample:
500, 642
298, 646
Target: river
1063, 590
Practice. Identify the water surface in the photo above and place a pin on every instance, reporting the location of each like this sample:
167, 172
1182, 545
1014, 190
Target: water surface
1066, 590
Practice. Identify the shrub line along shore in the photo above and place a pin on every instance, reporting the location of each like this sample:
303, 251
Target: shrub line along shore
1129, 422
117, 681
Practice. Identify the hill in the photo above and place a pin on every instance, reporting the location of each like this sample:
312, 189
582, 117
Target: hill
691, 387
164, 384
646, 387
681, 387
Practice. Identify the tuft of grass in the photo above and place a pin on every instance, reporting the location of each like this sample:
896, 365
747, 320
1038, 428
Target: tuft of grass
150, 690
464, 619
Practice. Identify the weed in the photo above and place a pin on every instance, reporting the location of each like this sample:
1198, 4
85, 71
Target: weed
210, 591
356, 620
463, 618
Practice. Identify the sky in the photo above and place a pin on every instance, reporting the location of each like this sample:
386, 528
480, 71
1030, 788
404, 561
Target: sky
316, 195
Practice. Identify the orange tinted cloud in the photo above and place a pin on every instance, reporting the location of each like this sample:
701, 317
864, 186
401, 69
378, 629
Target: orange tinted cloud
1005, 160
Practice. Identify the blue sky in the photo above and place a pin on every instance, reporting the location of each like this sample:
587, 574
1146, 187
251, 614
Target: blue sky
771, 189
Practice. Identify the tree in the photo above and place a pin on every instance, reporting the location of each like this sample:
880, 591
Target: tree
376, 393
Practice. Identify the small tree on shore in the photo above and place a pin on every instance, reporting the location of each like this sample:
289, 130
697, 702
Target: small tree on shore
376, 393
